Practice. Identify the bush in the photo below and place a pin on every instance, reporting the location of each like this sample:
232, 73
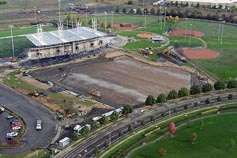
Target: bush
207, 88
161, 98
230, 96
195, 89
172, 95
130, 2
153, 118
219, 99
219, 85
185, 107
232, 84
183, 92
127, 109
207, 101
150, 100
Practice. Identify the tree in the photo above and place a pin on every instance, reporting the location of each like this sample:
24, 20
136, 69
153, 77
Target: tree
152, 11
95, 124
85, 130
207, 101
183, 92
114, 116
162, 152
124, 10
142, 122
106, 143
219, 85
117, 10
130, 128
102, 25
104, 120
198, 5
120, 133
96, 150
232, 84
174, 110
163, 114
127, 109
172, 128
230, 97
195, 89
139, 11
75, 136
90, 22
161, 98
207, 88
172, 94
130, 2
185, 106
194, 137
150, 100
219, 99
153, 118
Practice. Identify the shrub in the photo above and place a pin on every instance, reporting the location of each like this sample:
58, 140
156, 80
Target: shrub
161, 98
172, 95
232, 84
183, 92
207, 88
150, 100
195, 89
219, 85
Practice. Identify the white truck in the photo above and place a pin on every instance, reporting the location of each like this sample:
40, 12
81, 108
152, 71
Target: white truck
38, 125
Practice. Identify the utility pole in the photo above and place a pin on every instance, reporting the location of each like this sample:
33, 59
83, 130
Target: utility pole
222, 31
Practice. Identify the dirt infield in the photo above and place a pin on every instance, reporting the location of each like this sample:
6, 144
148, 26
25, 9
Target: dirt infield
120, 81
125, 27
198, 53
144, 35
186, 33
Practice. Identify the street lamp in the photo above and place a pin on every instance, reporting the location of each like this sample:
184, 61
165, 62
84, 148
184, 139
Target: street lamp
186, 30
190, 34
222, 31
145, 18
165, 17
13, 49
105, 20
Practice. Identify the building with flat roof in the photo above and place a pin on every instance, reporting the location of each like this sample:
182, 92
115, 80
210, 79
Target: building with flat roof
61, 42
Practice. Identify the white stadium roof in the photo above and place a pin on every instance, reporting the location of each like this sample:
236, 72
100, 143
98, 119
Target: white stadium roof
64, 36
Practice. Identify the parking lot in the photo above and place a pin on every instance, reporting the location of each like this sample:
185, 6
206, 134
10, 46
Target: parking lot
5, 126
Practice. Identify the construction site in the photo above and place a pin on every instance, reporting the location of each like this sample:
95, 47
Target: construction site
117, 80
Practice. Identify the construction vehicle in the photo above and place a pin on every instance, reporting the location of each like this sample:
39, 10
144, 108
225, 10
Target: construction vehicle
95, 93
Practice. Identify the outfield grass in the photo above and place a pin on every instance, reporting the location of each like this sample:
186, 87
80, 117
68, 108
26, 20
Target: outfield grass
224, 66
23, 31
213, 140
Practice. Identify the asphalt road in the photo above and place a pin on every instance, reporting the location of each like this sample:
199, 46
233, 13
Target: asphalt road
86, 148
30, 111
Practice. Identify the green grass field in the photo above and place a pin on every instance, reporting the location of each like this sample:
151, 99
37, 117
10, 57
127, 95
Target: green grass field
224, 66
213, 140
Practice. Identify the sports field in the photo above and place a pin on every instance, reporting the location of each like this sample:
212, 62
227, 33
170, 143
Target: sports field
224, 66
213, 140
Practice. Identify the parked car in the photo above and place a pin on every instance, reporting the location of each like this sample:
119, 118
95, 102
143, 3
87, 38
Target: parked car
15, 121
2, 109
16, 127
9, 117
12, 134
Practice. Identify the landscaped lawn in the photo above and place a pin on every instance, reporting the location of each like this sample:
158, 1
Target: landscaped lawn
213, 140
224, 66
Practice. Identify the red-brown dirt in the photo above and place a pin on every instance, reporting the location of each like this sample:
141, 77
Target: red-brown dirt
186, 33
198, 53
129, 27
144, 35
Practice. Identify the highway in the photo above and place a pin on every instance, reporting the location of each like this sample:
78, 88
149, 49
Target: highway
86, 147
30, 111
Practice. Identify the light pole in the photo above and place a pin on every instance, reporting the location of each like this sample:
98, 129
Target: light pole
145, 18
160, 18
165, 17
222, 31
186, 30
190, 34
112, 19
105, 20
13, 49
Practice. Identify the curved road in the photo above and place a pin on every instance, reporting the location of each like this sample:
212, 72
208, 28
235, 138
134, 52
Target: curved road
30, 111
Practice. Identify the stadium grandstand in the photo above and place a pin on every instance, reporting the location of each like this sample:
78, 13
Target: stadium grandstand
61, 42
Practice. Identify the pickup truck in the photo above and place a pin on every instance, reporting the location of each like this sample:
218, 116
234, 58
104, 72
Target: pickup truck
38, 125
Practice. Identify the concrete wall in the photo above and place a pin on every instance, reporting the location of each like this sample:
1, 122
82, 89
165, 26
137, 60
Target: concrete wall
68, 48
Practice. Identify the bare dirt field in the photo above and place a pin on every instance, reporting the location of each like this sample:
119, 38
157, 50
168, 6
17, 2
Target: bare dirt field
198, 53
128, 27
120, 81
186, 33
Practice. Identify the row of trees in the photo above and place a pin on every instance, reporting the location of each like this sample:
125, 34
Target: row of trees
3, 2
195, 89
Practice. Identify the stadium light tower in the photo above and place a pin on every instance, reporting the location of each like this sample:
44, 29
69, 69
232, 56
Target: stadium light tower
190, 35
145, 17
222, 31
13, 48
